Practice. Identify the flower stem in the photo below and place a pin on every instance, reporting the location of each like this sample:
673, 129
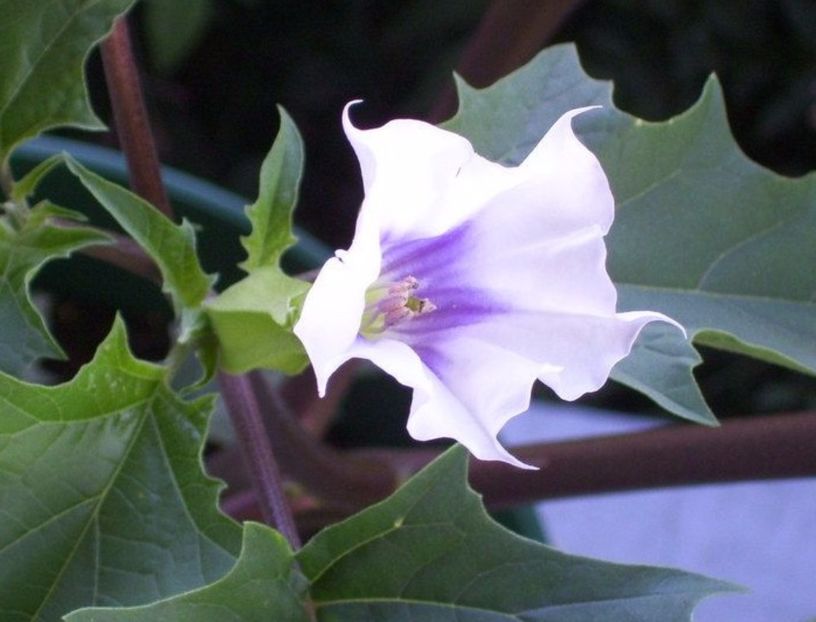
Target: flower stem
242, 404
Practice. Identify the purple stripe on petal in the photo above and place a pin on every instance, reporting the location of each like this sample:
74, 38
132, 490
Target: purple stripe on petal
454, 309
426, 256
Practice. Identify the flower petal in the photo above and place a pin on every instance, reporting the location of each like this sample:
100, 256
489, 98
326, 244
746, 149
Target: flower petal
477, 388
573, 354
330, 319
485, 371
435, 411
576, 186
421, 180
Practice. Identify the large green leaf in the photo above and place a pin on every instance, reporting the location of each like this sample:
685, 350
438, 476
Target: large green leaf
430, 552
43, 46
261, 587
103, 496
23, 251
253, 319
701, 233
172, 246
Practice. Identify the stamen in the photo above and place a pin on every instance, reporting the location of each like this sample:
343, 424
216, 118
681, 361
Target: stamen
396, 305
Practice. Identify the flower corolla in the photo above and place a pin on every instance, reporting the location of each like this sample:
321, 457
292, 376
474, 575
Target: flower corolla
468, 280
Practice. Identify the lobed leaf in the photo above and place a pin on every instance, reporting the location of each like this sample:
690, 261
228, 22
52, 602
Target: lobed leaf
43, 47
102, 492
23, 252
171, 246
271, 214
261, 586
701, 233
430, 552
253, 319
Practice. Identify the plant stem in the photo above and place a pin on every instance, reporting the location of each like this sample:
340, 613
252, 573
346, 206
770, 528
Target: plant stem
754, 448
243, 407
136, 140
130, 117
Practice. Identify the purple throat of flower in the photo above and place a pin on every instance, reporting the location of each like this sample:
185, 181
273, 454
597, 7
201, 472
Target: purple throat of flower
389, 304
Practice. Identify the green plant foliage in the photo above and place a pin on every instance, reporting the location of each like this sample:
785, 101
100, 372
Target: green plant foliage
262, 586
171, 246
271, 214
43, 46
24, 248
701, 233
253, 319
102, 491
430, 552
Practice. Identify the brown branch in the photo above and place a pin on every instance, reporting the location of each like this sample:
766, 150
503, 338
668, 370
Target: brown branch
510, 34
753, 448
130, 117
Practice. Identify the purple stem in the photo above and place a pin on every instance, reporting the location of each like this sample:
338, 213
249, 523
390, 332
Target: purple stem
242, 404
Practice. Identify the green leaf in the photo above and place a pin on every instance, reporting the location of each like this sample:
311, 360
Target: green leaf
271, 214
102, 491
23, 251
430, 552
261, 587
710, 237
253, 320
660, 366
174, 29
701, 233
44, 47
171, 246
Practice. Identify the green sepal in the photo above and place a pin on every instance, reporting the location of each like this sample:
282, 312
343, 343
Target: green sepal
253, 321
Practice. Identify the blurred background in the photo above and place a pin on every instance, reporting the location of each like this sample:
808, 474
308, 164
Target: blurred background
214, 71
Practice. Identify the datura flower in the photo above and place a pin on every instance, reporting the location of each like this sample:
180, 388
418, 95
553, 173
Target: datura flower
468, 280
